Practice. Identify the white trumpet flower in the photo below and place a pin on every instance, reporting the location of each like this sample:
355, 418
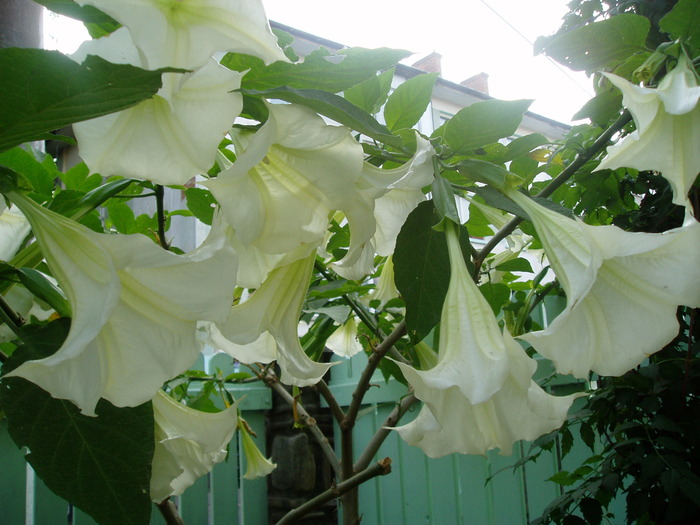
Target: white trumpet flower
343, 341
668, 129
186, 33
14, 227
472, 353
622, 290
169, 138
257, 465
188, 444
480, 394
274, 309
134, 307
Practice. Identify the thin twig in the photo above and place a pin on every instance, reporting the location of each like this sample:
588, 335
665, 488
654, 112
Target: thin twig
366, 377
581, 159
309, 421
325, 391
169, 511
10, 317
384, 431
160, 212
381, 468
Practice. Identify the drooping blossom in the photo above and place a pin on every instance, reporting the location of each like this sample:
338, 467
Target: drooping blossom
188, 444
186, 33
272, 313
622, 290
257, 465
343, 341
668, 129
14, 227
480, 394
169, 138
134, 308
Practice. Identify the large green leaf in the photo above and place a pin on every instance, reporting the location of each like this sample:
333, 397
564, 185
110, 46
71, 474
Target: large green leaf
422, 269
100, 464
482, 123
44, 90
320, 70
408, 102
599, 45
87, 14
371, 94
683, 21
335, 108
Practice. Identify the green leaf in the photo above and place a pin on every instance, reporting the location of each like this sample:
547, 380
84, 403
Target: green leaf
496, 294
79, 178
96, 197
524, 145
371, 94
201, 203
482, 123
683, 21
320, 70
516, 265
24, 162
444, 199
598, 45
482, 171
45, 90
496, 199
87, 14
601, 108
40, 285
335, 108
122, 217
409, 101
100, 464
422, 268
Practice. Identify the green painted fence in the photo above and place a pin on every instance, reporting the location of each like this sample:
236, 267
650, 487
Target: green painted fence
419, 491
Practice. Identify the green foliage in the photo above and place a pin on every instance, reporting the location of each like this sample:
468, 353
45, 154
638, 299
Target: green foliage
601, 45
683, 22
320, 70
422, 275
333, 107
371, 94
482, 123
100, 464
408, 102
45, 90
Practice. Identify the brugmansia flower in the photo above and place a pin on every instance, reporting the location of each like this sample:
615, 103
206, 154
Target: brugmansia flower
169, 138
275, 308
188, 444
472, 352
134, 307
448, 423
288, 176
393, 194
186, 33
343, 341
668, 129
257, 465
479, 395
14, 227
622, 290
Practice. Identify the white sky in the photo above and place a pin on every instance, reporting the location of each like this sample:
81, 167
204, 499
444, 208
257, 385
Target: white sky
471, 35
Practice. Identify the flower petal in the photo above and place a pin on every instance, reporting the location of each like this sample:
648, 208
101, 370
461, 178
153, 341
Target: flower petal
472, 354
188, 444
448, 423
343, 341
186, 33
167, 139
275, 307
135, 308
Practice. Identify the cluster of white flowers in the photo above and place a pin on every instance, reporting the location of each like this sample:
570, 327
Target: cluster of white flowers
136, 307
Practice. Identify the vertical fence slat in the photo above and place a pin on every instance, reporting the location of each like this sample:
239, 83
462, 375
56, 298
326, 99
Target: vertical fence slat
12, 479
